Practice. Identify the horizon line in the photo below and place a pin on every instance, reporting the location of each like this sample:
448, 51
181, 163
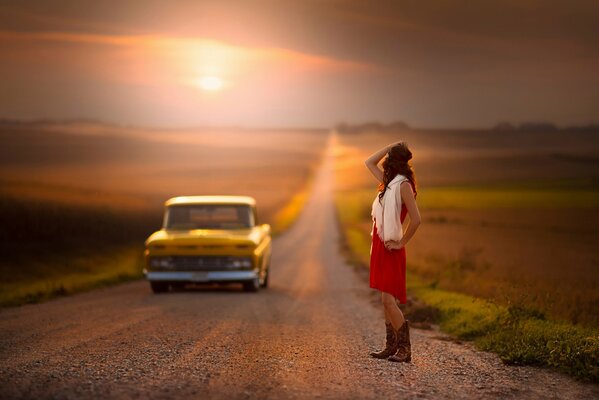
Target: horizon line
127, 125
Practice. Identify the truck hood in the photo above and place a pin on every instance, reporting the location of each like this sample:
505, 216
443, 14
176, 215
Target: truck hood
207, 237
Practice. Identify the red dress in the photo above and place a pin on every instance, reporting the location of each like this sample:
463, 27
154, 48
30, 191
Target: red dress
388, 267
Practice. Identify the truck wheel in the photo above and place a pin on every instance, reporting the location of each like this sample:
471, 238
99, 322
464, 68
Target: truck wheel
159, 287
264, 283
251, 286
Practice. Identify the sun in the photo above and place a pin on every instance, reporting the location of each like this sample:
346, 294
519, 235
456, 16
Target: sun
210, 83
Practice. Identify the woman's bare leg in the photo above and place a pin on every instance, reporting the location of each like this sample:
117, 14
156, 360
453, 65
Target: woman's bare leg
392, 311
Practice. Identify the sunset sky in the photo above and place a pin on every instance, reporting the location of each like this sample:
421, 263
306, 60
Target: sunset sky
300, 63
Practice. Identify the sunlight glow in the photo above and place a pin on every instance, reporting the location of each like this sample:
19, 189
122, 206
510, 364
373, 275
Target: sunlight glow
210, 83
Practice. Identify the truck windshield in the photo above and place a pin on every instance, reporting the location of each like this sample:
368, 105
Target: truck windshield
209, 216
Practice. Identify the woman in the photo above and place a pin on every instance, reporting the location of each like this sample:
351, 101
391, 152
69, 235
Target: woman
395, 199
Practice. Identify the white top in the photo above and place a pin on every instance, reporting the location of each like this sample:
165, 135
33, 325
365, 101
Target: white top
388, 214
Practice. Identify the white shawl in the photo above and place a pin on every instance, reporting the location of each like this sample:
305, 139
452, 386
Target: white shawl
387, 214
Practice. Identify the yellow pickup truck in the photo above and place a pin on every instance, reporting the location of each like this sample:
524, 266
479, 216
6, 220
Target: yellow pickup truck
209, 239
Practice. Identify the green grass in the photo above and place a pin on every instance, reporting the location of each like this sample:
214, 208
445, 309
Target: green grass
481, 197
50, 249
353, 210
74, 275
485, 197
285, 217
518, 334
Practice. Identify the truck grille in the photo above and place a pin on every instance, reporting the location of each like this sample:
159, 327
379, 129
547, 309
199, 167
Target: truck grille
202, 263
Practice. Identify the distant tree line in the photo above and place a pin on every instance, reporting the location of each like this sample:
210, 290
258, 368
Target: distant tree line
543, 127
400, 126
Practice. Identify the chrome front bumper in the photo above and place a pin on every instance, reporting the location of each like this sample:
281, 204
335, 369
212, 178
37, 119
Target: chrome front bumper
201, 276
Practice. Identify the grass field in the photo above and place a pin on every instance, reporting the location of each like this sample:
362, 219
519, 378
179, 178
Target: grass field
516, 333
520, 238
79, 199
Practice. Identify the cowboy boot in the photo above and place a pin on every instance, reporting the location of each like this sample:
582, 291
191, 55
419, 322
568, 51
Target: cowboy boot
390, 343
404, 350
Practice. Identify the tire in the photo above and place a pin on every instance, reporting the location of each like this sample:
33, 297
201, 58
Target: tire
264, 283
159, 287
251, 286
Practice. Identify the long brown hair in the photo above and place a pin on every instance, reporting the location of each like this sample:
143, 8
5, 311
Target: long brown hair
397, 162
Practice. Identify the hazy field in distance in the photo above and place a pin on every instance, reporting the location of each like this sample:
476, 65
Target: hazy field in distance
509, 216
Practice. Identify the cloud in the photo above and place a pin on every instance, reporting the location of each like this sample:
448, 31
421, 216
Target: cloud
195, 52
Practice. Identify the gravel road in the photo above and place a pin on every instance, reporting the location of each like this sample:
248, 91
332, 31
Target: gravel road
307, 336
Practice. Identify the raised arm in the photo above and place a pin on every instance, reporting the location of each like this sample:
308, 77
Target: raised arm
372, 162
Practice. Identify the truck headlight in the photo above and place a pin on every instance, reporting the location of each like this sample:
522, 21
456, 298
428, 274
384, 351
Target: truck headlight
241, 262
161, 262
